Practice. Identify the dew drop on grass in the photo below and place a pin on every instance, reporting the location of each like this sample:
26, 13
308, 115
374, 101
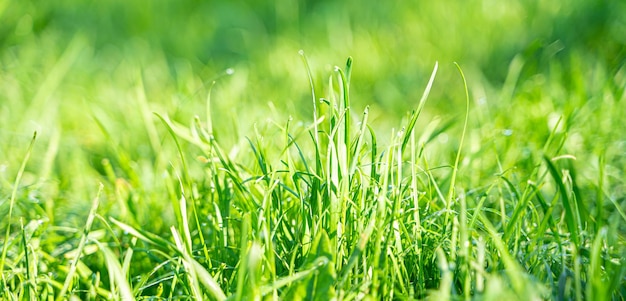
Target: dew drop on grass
230, 71
507, 132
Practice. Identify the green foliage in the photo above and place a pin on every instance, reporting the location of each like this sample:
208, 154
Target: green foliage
191, 150
319, 285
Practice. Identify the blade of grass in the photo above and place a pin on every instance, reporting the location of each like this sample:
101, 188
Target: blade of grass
344, 90
359, 142
128, 258
570, 218
148, 237
197, 272
81, 245
187, 181
600, 193
513, 269
192, 277
455, 168
117, 274
31, 282
244, 244
314, 98
596, 289
420, 106
18, 180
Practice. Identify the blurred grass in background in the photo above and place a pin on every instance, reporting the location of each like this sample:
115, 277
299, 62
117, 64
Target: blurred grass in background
394, 44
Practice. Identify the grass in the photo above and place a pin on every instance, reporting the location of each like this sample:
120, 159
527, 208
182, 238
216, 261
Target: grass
218, 162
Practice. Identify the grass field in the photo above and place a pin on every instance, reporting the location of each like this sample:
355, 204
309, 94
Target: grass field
318, 150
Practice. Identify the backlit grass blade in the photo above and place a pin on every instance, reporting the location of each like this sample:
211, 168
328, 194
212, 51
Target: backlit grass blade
420, 106
571, 219
144, 235
18, 180
596, 289
81, 245
357, 146
31, 277
345, 95
196, 272
185, 183
318, 279
522, 203
312, 86
117, 274
358, 251
455, 168
600, 193
512, 268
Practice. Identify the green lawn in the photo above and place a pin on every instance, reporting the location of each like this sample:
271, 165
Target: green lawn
318, 150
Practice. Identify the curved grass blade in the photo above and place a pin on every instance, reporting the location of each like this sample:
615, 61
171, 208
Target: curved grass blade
420, 107
455, 168
570, 217
18, 179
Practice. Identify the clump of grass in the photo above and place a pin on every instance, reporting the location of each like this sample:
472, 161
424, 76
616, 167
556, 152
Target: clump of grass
507, 186
320, 210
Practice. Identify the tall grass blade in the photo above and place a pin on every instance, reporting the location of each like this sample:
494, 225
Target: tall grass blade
420, 106
116, 272
145, 236
570, 215
455, 168
31, 278
81, 245
314, 98
196, 272
16, 184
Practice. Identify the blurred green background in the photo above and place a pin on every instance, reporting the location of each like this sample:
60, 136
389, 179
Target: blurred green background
87, 74
182, 44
